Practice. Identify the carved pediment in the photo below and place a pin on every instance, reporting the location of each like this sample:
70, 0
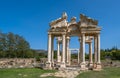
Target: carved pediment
87, 21
60, 22
85, 25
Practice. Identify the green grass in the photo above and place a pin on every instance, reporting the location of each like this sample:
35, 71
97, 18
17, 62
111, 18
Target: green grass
35, 73
23, 73
105, 73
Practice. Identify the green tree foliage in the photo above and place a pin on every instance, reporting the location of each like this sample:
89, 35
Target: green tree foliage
113, 53
12, 45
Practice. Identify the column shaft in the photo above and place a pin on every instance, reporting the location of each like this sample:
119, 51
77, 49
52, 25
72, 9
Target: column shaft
90, 52
68, 40
83, 47
98, 48
95, 49
49, 48
63, 49
69, 57
52, 49
58, 51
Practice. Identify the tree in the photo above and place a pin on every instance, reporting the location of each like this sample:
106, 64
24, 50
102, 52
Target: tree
13, 45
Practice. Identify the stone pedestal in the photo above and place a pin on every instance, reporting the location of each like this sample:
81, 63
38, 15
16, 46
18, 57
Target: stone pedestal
62, 66
90, 66
68, 63
48, 65
83, 66
98, 66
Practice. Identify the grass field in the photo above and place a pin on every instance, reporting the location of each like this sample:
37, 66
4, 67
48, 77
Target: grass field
35, 73
105, 73
23, 73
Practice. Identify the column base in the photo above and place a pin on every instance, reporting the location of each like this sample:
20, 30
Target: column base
83, 66
68, 63
97, 67
90, 65
62, 66
52, 64
48, 65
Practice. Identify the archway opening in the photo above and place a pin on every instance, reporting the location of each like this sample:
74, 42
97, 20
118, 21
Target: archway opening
74, 50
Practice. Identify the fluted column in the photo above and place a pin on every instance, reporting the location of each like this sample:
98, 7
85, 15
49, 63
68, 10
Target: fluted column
69, 57
48, 63
80, 53
49, 48
68, 40
83, 47
58, 51
52, 46
63, 49
90, 53
95, 49
98, 48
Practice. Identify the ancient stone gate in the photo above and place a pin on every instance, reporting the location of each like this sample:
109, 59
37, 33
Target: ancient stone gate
88, 32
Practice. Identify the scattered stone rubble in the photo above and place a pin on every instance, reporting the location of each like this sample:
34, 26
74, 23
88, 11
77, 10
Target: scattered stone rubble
110, 63
62, 74
17, 63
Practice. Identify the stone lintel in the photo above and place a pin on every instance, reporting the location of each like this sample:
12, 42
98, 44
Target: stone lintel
88, 41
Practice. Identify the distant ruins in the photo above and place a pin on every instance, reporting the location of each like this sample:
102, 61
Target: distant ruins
86, 30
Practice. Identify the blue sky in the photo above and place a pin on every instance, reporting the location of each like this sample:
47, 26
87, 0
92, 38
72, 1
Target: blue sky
31, 18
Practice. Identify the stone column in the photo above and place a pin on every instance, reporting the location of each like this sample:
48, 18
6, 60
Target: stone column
63, 51
98, 64
48, 64
78, 56
90, 52
83, 47
98, 48
90, 55
58, 51
80, 53
52, 46
95, 49
69, 57
83, 66
68, 40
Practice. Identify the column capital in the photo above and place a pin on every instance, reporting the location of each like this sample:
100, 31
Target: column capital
59, 39
96, 34
68, 38
63, 33
49, 33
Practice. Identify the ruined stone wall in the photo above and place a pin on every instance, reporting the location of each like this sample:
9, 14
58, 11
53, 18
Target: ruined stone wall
17, 63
